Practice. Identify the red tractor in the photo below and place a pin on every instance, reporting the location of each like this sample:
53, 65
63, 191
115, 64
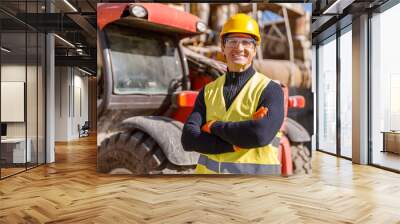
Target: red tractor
147, 84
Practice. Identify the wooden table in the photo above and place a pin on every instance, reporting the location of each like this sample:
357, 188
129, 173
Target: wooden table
391, 141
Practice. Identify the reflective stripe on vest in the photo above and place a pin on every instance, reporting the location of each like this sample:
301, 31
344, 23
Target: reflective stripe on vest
260, 160
239, 168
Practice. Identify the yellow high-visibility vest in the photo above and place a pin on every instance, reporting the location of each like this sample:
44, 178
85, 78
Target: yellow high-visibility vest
261, 160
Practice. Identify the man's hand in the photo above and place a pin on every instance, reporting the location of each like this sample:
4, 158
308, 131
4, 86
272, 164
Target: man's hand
236, 148
260, 113
207, 126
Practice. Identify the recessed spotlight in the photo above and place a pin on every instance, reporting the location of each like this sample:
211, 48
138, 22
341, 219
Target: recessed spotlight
65, 41
84, 71
70, 5
5, 50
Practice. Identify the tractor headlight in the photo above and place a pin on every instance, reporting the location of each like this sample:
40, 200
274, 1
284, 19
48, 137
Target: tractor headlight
201, 27
138, 11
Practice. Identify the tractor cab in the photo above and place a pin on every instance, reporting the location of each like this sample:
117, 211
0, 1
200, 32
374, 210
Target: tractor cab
142, 69
141, 60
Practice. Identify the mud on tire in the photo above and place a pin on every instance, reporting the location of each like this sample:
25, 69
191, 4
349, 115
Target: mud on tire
301, 159
135, 152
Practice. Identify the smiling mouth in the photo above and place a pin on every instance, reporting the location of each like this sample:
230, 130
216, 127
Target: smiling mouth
238, 55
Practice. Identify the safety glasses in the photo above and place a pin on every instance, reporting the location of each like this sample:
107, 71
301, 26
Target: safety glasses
231, 42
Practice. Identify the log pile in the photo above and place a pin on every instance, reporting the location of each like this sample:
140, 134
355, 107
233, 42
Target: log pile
285, 53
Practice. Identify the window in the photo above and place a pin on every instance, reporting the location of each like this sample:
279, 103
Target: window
143, 63
22, 66
346, 95
385, 87
327, 96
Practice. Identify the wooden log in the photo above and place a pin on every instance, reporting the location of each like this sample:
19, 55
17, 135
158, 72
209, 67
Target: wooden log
285, 71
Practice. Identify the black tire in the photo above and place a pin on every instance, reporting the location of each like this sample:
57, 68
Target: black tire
301, 159
136, 152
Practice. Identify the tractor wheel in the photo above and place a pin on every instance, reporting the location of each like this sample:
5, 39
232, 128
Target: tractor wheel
136, 153
301, 159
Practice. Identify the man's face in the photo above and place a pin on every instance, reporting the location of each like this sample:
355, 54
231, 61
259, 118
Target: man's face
239, 50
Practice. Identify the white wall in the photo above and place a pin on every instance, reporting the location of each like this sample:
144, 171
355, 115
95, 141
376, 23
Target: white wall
15, 73
81, 81
13, 101
71, 93
33, 126
62, 81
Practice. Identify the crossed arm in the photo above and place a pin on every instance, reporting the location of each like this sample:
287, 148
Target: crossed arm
193, 139
244, 134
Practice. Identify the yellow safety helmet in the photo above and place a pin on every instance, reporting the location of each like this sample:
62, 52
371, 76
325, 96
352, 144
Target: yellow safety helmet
241, 23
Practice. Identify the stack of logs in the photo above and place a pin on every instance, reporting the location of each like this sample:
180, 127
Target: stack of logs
285, 52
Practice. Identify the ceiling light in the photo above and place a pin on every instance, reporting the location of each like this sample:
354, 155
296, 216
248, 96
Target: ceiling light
70, 5
79, 44
80, 51
65, 41
5, 49
337, 7
86, 72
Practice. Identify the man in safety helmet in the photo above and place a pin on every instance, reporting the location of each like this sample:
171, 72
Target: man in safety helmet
236, 119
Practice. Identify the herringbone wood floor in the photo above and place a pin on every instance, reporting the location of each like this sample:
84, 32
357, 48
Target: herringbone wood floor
70, 191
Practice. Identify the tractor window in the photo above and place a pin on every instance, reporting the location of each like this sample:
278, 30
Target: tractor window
142, 62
